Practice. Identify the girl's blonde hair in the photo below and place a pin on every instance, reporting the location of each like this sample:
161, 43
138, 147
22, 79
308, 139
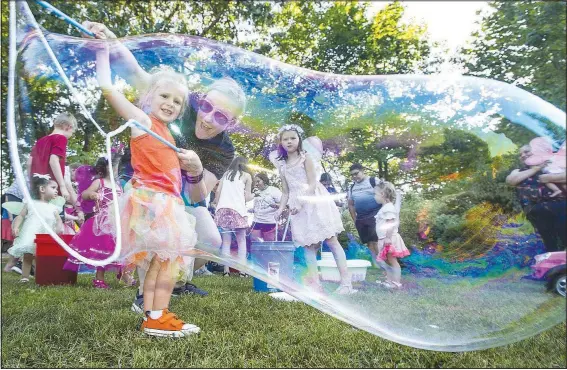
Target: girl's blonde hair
158, 77
229, 87
387, 190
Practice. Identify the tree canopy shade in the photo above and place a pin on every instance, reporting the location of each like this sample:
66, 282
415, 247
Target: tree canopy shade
523, 43
332, 37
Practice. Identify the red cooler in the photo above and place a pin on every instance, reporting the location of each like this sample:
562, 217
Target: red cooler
49, 261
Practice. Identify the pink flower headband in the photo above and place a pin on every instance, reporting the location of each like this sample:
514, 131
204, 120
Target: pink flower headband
292, 127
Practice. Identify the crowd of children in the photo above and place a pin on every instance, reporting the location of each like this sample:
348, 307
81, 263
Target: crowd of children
157, 233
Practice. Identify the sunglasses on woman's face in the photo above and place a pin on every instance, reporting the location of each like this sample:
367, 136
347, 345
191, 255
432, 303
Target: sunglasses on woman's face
220, 118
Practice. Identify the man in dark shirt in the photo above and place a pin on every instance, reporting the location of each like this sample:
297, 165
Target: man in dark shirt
363, 207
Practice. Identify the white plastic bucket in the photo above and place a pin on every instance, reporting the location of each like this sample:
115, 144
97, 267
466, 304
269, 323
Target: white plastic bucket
330, 272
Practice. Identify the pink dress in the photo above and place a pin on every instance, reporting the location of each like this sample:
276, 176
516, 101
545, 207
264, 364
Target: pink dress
94, 240
387, 221
319, 217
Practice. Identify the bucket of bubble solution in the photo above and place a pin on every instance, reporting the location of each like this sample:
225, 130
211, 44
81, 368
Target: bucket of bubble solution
274, 257
49, 260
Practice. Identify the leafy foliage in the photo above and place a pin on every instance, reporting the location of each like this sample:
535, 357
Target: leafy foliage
523, 43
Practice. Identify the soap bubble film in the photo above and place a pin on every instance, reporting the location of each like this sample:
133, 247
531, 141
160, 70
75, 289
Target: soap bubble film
447, 144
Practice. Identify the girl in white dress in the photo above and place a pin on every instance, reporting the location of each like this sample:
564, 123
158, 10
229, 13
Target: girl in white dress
390, 244
27, 224
235, 189
314, 216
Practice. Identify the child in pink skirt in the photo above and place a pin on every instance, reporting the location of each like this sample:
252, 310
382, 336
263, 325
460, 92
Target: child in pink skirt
390, 244
93, 240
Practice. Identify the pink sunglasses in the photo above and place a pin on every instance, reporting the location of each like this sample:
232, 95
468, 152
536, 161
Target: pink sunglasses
220, 118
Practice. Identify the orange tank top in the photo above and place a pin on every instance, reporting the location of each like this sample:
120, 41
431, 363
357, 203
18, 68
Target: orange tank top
155, 165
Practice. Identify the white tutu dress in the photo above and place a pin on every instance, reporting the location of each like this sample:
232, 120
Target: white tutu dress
319, 217
25, 242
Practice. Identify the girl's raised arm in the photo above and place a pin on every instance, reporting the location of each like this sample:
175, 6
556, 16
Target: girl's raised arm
128, 66
117, 100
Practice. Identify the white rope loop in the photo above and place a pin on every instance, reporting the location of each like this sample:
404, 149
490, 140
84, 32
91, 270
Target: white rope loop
15, 158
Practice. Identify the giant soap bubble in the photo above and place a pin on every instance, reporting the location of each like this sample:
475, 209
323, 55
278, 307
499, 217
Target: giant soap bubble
446, 142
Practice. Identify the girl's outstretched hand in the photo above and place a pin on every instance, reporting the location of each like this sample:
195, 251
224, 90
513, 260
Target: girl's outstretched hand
99, 29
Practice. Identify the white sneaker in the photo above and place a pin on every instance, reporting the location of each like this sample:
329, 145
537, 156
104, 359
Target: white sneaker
391, 284
283, 296
203, 271
345, 290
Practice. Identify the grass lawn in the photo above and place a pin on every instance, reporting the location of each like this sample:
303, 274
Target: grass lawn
78, 326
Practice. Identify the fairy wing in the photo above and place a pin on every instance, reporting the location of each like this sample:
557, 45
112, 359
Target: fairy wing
273, 158
59, 202
13, 207
314, 147
398, 204
558, 159
541, 151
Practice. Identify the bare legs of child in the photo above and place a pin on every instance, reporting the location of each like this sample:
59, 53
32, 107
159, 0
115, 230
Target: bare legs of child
393, 271
158, 286
240, 241
226, 237
312, 278
11, 263
27, 262
340, 258
98, 281
373, 248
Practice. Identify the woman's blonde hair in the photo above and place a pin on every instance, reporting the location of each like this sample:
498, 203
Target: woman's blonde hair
232, 90
387, 190
158, 77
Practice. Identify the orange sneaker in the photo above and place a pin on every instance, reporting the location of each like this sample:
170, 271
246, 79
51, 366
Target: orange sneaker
168, 325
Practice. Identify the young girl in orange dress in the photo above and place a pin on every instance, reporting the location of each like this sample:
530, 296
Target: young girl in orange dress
156, 230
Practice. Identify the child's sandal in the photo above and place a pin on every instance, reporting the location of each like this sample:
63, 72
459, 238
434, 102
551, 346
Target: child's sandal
100, 284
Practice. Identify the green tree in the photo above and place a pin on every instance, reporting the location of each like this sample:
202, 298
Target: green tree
227, 21
337, 37
396, 47
523, 43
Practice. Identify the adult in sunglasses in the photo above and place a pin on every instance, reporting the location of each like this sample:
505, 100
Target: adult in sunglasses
203, 129
363, 207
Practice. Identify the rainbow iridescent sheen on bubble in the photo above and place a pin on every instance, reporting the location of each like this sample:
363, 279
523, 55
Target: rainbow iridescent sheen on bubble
473, 295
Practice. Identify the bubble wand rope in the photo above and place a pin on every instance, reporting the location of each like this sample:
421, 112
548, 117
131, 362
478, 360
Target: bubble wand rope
147, 130
14, 155
59, 14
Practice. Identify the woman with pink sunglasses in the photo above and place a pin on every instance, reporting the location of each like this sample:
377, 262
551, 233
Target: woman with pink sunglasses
203, 129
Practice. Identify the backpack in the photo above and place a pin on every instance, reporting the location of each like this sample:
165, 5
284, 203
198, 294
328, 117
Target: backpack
372, 183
